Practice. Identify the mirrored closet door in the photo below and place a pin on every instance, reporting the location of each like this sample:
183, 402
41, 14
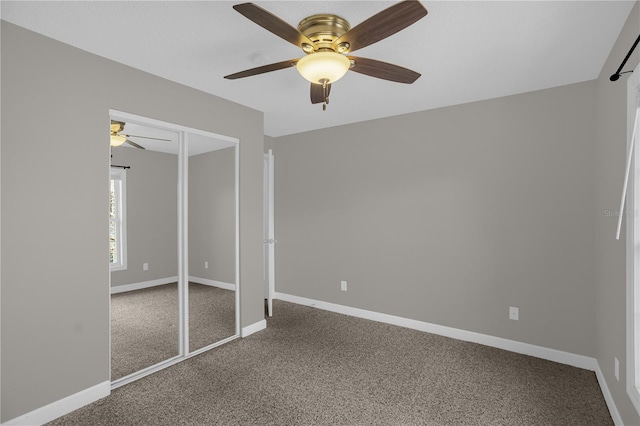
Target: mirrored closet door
212, 241
173, 244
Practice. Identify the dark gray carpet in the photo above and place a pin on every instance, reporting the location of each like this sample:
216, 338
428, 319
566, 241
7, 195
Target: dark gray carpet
212, 315
144, 324
144, 328
312, 367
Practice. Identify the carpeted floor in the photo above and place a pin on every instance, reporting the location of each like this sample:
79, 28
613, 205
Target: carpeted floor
212, 315
144, 324
312, 367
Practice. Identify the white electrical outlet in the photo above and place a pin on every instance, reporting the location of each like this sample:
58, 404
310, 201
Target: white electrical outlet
616, 368
514, 313
145, 266
206, 265
343, 285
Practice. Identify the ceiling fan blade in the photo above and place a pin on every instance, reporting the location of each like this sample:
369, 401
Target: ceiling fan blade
134, 144
317, 93
272, 23
145, 137
263, 69
382, 25
383, 70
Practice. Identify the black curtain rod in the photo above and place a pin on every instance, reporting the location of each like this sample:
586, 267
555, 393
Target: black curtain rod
122, 167
616, 76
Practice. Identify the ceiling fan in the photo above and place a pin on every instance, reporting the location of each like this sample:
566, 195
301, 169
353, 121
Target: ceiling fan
327, 38
118, 138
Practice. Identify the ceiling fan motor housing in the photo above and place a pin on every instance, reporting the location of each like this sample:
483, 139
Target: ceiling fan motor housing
323, 30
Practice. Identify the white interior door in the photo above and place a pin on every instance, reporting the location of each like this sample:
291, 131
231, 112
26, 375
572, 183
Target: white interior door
269, 234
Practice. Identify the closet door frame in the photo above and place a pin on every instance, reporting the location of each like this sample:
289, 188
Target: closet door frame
183, 243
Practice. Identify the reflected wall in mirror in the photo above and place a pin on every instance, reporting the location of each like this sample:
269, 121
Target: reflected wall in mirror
144, 299
212, 241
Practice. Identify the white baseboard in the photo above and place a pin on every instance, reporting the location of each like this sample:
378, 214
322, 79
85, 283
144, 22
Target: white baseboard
64, 406
575, 360
213, 283
143, 284
253, 328
613, 410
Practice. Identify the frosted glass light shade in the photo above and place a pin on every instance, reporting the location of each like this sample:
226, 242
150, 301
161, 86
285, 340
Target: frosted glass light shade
117, 140
321, 66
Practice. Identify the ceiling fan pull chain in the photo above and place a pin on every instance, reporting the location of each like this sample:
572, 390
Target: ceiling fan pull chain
325, 92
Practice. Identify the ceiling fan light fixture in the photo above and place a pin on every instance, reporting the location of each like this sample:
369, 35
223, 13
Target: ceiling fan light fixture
323, 67
117, 140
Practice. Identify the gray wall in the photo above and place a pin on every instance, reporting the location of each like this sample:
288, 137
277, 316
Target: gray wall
152, 215
450, 216
269, 143
610, 333
54, 176
212, 229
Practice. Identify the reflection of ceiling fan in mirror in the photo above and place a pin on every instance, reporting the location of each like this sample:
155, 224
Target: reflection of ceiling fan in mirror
118, 138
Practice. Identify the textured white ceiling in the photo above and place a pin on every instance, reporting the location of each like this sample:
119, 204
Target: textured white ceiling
466, 51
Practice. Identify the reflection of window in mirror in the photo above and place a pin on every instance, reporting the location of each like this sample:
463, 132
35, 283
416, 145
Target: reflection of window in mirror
117, 220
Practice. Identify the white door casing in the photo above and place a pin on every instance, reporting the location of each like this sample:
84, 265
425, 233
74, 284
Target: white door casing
269, 232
